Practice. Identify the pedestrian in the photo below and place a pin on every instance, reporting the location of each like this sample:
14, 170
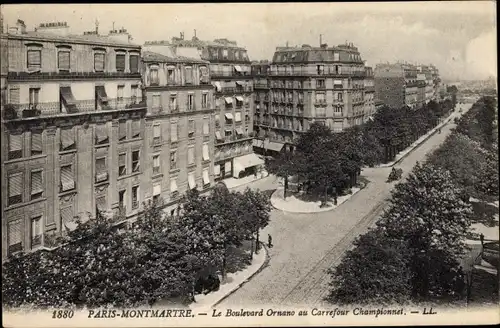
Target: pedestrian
481, 237
269, 241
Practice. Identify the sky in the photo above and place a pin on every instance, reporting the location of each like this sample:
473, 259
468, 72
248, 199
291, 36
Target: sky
458, 37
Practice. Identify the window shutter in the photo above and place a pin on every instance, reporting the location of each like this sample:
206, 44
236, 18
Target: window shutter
67, 138
206, 177
14, 96
34, 60
120, 62
15, 142
99, 62
122, 159
122, 130
15, 185
36, 141
173, 132
15, 232
136, 129
100, 165
134, 64
66, 215
67, 178
101, 133
156, 161
64, 60
36, 225
36, 182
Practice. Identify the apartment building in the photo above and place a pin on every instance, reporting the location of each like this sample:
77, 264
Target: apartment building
403, 84
72, 131
313, 84
233, 102
369, 95
179, 125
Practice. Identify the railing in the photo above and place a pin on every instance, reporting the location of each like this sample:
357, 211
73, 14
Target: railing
45, 109
70, 75
261, 85
215, 75
234, 90
308, 73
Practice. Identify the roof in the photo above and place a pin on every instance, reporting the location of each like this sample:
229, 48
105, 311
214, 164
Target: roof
149, 56
73, 38
200, 43
308, 54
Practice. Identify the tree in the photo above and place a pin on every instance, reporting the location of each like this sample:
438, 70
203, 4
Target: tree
258, 211
283, 166
376, 270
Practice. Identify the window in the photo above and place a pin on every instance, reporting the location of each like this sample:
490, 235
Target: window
224, 53
191, 180
101, 203
136, 129
190, 102
122, 130
36, 185
122, 164
101, 169
135, 160
321, 111
120, 62
134, 93
99, 62
173, 132
320, 97
188, 74
63, 61
36, 231
15, 146
134, 63
190, 155
206, 177
36, 143
67, 139
204, 100
119, 92
173, 159
34, 59
156, 133
205, 152
101, 134
15, 188
135, 197
15, 236
173, 104
339, 96
204, 76
217, 120
191, 128
156, 191
34, 96
320, 69
121, 199
14, 95
206, 126
320, 84
171, 75
173, 186
156, 164
67, 178
156, 103
153, 76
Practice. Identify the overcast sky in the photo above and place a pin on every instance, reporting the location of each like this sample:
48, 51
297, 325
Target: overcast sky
458, 37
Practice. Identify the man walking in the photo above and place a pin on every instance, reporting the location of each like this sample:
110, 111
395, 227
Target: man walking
269, 241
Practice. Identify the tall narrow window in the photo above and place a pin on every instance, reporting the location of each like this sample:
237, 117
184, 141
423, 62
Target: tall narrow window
67, 139
191, 128
135, 197
101, 169
36, 143
15, 187
34, 59
156, 133
134, 93
190, 102
190, 155
63, 61
173, 132
122, 164
153, 76
172, 104
36, 231
34, 96
119, 92
205, 151
204, 100
206, 126
188, 74
15, 146
122, 130
67, 178
171, 75
134, 63
135, 160
99, 62
136, 129
156, 164
36, 185
121, 199
173, 159
15, 236
120, 62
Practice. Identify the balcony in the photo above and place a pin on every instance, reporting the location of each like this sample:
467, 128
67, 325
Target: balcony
54, 109
233, 90
261, 86
25, 76
218, 75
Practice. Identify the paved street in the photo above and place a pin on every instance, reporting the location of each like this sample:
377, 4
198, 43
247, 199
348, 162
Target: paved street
305, 245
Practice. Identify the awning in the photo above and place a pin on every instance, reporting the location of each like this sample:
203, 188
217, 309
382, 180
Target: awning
173, 185
217, 170
217, 86
68, 100
228, 100
206, 156
237, 68
218, 135
206, 178
101, 93
240, 83
237, 117
229, 116
191, 181
270, 145
239, 131
239, 98
156, 189
245, 161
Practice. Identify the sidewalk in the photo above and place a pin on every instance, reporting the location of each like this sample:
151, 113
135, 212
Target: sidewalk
233, 182
294, 205
233, 282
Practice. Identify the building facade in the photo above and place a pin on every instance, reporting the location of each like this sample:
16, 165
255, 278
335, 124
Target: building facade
179, 126
72, 131
233, 102
312, 84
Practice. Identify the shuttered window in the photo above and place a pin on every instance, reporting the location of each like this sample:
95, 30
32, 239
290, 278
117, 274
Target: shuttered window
135, 197
173, 132
156, 164
191, 128
101, 203
36, 184
67, 139
36, 143
120, 62
99, 62
122, 164
136, 129
157, 131
206, 156
15, 188
14, 96
34, 59
173, 160
206, 126
15, 146
153, 76
119, 92
190, 155
135, 161
67, 178
63, 60
188, 74
134, 63
101, 134
36, 231
66, 216
15, 235
122, 130
101, 169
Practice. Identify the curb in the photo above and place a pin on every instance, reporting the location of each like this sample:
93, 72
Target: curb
263, 265
327, 210
247, 183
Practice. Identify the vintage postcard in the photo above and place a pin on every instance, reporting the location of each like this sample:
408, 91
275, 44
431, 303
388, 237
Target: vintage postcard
249, 164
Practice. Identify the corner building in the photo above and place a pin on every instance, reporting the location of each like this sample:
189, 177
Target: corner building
72, 131
312, 84
179, 125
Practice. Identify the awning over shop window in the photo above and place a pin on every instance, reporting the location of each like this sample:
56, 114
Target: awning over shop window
239, 98
191, 181
237, 117
270, 145
229, 116
237, 68
243, 162
239, 131
206, 178
217, 86
228, 100
218, 136
68, 100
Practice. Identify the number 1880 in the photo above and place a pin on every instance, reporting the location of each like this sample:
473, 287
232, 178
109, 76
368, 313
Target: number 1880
62, 314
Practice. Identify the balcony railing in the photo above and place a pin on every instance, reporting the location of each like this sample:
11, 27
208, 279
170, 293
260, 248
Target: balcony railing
70, 75
234, 90
216, 75
309, 73
47, 109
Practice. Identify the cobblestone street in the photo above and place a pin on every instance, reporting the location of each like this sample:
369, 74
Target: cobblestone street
305, 245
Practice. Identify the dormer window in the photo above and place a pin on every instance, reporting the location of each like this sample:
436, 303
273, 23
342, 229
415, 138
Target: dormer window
153, 75
224, 53
134, 63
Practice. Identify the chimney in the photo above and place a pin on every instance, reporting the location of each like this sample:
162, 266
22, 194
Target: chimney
195, 33
21, 27
182, 35
96, 27
57, 28
120, 35
320, 40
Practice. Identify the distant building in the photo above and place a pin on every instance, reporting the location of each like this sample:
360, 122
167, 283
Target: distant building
311, 84
72, 130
